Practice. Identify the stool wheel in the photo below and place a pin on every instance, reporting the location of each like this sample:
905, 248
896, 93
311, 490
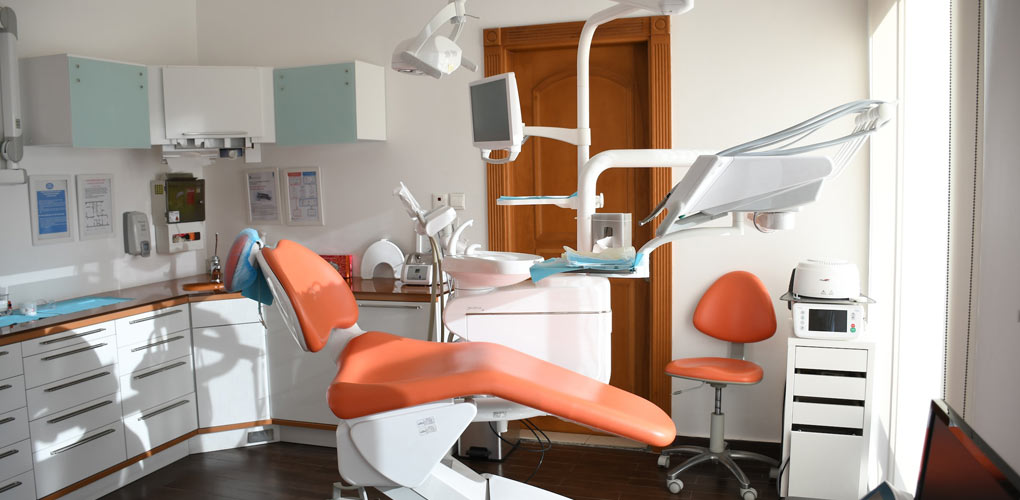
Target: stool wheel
748, 494
674, 485
663, 461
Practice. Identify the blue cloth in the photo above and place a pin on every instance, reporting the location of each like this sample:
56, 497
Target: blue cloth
59, 308
247, 275
559, 265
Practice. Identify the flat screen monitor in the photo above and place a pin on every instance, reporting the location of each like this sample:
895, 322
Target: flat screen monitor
496, 113
958, 464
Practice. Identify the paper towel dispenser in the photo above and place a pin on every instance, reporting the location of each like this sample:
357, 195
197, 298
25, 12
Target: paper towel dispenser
211, 111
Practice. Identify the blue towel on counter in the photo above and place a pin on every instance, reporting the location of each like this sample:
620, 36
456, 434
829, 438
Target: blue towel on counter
559, 265
58, 308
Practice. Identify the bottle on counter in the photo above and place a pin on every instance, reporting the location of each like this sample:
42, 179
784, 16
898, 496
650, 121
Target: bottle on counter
5, 301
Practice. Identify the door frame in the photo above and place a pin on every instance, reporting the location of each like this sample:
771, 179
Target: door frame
498, 43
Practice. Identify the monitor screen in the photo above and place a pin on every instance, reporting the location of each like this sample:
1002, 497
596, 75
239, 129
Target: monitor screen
186, 197
490, 116
957, 463
827, 320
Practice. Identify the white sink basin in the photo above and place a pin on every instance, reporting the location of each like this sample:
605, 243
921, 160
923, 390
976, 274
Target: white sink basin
483, 270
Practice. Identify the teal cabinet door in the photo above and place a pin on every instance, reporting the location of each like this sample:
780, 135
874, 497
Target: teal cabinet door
109, 104
315, 105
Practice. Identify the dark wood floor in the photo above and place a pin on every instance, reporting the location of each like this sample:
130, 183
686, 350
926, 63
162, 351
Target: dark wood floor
293, 471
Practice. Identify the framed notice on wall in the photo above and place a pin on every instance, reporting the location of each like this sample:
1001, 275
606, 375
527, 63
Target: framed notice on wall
263, 188
95, 206
51, 205
302, 190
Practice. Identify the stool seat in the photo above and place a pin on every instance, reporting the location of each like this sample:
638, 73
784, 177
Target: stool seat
721, 370
380, 372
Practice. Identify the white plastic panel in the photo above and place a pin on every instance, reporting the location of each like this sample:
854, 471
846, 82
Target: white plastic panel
813, 459
141, 327
20, 487
154, 426
828, 358
13, 426
65, 362
224, 312
826, 386
77, 336
828, 415
12, 393
74, 422
70, 461
10, 361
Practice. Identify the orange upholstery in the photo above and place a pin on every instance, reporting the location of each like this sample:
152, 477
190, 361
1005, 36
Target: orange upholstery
381, 372
724, 370
736, 308
321, 299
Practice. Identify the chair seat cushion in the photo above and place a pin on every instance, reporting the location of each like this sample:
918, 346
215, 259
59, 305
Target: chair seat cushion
381, 372
722, 370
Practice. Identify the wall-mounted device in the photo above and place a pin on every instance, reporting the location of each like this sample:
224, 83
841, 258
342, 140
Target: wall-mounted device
136, 234
828, 321
178, 213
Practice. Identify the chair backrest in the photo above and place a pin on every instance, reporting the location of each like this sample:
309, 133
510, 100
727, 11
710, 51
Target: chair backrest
736, 308
313, 298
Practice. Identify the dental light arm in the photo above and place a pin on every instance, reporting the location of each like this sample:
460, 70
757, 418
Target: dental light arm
11, 145
433, 54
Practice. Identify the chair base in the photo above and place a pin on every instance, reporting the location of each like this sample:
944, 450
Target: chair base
726, 457
455, 481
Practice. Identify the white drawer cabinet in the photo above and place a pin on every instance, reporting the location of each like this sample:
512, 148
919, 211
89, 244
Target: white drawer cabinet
157, 384
73, 423
69, 338
12, 393
20, 487
827, 419
15, 459
61, 363
141, 327
65, 393
407, 319
218, 101
230, 374
13, 426
68, 462
154, 426
153, 351
10, 361
224, 312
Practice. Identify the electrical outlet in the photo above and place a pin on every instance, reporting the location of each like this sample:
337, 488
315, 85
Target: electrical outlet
439, 200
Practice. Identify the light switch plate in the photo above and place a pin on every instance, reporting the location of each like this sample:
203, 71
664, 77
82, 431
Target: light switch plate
458, 201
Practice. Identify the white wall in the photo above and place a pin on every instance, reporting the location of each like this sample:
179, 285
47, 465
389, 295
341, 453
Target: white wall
993, 407
155, 31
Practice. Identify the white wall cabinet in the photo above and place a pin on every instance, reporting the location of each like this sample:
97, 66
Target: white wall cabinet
232, 383
218, 102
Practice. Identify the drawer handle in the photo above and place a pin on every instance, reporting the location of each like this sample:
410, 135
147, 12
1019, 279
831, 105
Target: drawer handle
83, 441
163, 410
10, 487
76, 382
9, 453
154, 344
76, 351
232, 133
5, 387
154, 316
69, 337
4, 353
391, 306
161, 370
79, 412
6, 420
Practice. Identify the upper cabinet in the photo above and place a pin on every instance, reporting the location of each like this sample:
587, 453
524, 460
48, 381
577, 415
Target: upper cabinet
330, 104
217, 102
82, 102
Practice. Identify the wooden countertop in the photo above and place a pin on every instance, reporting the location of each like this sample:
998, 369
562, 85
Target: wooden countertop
170, 293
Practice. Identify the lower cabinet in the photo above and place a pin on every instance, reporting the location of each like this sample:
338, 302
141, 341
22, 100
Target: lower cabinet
151, 427
70, 461
19, 487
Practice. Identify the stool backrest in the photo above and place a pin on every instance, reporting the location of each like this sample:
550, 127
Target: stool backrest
312, 297
736, 308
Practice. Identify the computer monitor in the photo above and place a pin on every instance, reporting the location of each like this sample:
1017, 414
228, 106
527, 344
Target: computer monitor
957, 463
496, 115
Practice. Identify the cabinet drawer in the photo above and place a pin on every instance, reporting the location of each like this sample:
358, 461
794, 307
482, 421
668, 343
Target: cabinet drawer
825, 465
160, 383
832, 358
72, 391
72, 424
12, 393
67, 339
15, 459
224, 312
154, 426
141, 327
156, 350
71, 461
10, 361
69, 361
851, 417
826, 386
13, 426
20, 487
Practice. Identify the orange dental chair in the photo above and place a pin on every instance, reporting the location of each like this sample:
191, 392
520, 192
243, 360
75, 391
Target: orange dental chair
403, 403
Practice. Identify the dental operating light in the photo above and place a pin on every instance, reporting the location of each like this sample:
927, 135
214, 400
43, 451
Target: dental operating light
433, 54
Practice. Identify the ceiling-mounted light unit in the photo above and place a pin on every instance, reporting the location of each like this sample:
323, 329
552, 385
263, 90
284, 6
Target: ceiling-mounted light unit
433, 54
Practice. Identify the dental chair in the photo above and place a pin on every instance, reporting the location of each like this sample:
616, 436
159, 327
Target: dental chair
737, 308
402, 403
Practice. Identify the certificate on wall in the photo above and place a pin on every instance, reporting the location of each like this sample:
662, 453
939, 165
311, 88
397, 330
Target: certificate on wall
263, 196
50, 202
95, 206
303, 189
